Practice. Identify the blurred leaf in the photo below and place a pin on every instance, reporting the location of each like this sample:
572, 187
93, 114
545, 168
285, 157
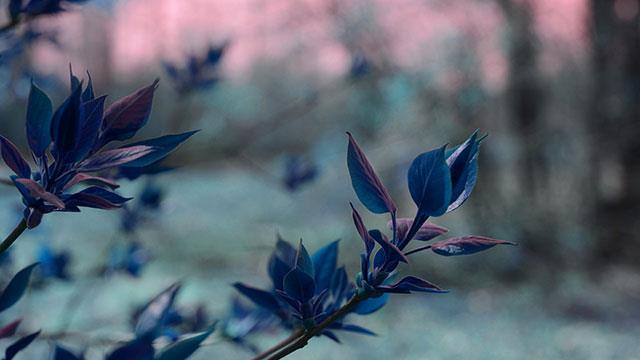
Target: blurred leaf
184, 348
16, 288
466, 245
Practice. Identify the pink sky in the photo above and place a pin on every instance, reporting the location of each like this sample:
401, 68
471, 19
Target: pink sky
311, 34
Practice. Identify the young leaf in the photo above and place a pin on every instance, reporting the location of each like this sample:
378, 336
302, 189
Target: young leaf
409, 284
260, 297
184, 348
154, 315
463, 163
138, 349
426, 232
299, 285
39, 114
162, 146
16, 288
325, 261
19, 345
466, 245
127, 115
115, 157
13, 159
303, 260
368, 187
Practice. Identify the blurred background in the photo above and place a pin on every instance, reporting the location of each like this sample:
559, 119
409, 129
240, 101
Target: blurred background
274, 85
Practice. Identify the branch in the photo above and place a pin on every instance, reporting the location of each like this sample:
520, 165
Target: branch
20, 228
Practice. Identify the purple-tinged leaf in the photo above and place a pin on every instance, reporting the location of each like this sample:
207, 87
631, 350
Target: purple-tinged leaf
183, 348
36, 191
463, 163
90, 179
295, 304
154, 314
391, 251
366, 184
409, 284
60, 353
10, 329
162, 146
19, 345
95, 197
299, 285
362, 230
13, 159
430, 187
466, 245
39, 115
325, 261
115, 157
260, 297
371, 305
138, 349
126, 116
87, 94
16, 288
281, 262
426, 232
65, 125
34, 219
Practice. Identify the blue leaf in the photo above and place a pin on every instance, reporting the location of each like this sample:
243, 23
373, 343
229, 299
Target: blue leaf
89, 127
392, 253
260, 297
409, 284
371, 305
127, 115
154, 315
183, 348
162, 147
325, 261
87, 94
138, 349
426, 232
39, 115
369, 243
365, 182
65, 125
19, 345
463, 163
466, 245
299, 285
60, 353
96, 197
16, 288
357, 329
13, 159
303, 260
430, 187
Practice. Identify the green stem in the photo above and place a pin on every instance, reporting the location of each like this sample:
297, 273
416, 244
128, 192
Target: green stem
20, 228
300, 342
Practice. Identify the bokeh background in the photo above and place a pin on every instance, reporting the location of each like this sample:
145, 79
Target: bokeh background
555, 84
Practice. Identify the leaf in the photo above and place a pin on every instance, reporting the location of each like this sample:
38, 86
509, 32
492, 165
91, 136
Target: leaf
325, 261
371, 305
409, 284
426, 232
60, 353
466, 245
95, 197
463, 163
282, 260
299, 285
65, 125
88, 127
36, 191
366, 184
369, 243
10, 329
87, 94
138, 349
90, 179
114, 157
126, 116
154, 315
16, 288
262, 298
19, 345
162, 146
430, 187
303, 260
391, 251
13, 159
357, 329
39, 115
183, 348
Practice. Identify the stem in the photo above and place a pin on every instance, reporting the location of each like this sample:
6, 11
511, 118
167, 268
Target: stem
417, 249
20, 228
290, 339
304, 339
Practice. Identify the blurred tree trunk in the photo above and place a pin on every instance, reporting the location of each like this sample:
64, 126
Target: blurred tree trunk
614, 115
